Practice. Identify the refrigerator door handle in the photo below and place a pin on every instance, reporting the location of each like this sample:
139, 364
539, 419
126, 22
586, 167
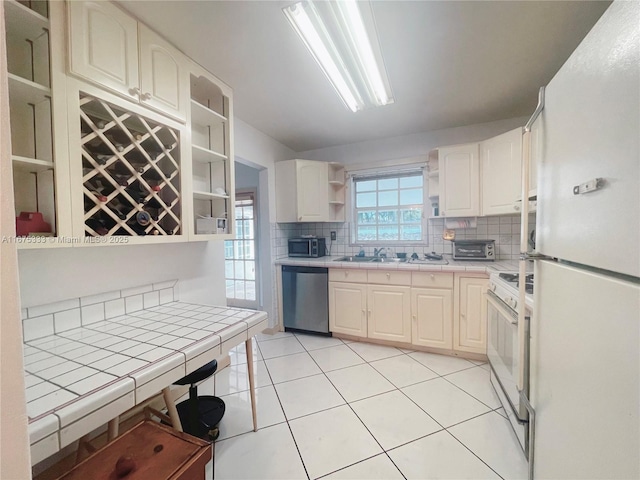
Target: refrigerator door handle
536, 112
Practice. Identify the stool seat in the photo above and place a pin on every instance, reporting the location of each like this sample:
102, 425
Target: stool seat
210, 411
200, 374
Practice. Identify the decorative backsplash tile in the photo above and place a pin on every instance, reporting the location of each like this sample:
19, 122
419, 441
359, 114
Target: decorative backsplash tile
505, 230
42, 320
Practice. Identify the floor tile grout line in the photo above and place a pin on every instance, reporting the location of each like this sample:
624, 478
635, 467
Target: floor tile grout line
475, 454
362, 422
349, 404
463, 390
286, 420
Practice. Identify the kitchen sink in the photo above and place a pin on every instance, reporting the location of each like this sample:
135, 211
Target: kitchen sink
370, 259
355, 259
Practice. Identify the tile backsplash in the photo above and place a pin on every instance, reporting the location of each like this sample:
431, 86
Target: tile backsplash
40, 321
505, 230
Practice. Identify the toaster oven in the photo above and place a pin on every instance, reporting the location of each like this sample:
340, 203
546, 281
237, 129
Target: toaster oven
474, 250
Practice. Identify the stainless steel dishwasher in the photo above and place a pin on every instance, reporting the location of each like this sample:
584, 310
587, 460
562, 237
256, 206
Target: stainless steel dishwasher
305, 299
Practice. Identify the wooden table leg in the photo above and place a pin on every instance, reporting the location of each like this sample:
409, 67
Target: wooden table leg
113, 428
252, 389
171, 409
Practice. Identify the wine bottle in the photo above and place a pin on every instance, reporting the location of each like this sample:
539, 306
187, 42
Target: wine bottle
97, 226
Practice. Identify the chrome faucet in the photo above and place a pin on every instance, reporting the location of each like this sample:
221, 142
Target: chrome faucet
377, 252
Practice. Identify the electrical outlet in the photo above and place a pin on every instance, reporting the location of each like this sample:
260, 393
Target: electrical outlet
333, 235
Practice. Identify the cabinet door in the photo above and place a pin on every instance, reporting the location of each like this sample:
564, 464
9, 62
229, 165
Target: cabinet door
470, 318
163, 82
432, 318
347, 308
501, 159
389, 313
103, 45
459, 181
312, 185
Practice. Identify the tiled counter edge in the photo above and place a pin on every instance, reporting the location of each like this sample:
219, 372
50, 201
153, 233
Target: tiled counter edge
452, 266
67, 417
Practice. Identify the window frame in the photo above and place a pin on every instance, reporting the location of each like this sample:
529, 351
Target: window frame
381, 174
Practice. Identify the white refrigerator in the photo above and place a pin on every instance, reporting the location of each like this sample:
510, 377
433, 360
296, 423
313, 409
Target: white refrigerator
585, 332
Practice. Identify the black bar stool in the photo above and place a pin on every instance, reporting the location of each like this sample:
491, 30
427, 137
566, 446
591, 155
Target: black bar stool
200, 415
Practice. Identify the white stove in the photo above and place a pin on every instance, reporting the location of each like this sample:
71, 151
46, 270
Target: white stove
505, 286
507, 360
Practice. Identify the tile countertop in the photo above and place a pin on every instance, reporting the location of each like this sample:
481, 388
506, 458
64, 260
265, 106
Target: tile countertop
79, 379
452, 266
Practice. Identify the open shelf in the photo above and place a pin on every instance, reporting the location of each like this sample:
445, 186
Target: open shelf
204, 155
204, 116
30, 164
207, 195
25, 91
23, 21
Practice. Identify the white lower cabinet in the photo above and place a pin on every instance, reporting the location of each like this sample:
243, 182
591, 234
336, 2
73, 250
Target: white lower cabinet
389, 313
470, 314
445, 311
431, 314
348, 308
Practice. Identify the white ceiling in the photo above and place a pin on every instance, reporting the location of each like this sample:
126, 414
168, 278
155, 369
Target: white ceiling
449, 63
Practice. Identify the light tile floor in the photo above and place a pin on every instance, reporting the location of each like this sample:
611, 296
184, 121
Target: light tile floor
349, 410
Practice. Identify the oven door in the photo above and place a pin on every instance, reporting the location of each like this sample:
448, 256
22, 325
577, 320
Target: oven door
502, 350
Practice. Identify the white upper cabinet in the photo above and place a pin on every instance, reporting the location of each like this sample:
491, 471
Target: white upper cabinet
103, 46
501, 159
459, 181
109, 47
302, 191
163, 83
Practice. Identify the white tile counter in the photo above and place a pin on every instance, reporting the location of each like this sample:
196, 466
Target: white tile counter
452, 265
78, 379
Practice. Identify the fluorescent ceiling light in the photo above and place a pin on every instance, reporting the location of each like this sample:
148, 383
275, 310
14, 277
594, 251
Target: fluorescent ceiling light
338, 35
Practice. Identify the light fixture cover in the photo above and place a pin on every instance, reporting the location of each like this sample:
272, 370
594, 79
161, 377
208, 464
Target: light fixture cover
341, 36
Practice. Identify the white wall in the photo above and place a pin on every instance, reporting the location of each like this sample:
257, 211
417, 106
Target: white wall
410, 145
56, 274
14, 443
257, 150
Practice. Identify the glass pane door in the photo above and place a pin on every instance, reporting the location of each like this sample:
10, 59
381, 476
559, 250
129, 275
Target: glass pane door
240, 256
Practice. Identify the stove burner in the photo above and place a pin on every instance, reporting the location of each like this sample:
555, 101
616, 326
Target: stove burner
514, 278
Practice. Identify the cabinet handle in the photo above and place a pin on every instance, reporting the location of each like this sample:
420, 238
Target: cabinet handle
145, 96
346, 274
134, 91
363, 312
414, 318
461, 315
369, 312
299, 219
516, 207
433, 277
388, 276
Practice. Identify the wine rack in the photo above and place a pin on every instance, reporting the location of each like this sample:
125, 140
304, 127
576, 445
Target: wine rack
131, 172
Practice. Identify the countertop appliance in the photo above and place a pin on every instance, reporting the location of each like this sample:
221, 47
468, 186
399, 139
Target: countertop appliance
305, 299
311, 247
503, 306
474, 250
585, 373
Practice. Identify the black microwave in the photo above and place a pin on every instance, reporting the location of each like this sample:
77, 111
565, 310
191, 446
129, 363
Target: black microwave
307, 247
